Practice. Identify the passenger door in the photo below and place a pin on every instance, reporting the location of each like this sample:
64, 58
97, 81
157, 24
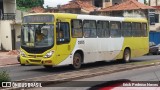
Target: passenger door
63, 41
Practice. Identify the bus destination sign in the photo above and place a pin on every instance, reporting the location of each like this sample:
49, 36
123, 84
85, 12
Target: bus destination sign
38, 19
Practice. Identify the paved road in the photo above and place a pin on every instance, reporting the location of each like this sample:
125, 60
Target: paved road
23, 72
142, 74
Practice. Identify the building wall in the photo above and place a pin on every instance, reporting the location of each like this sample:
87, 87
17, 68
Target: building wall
0, 35
155, 27
142, 1
158, 2
9, 6
6, 39
89, 1
107, 4
6, 26
18, 15
76, 11
116, 1
154, 3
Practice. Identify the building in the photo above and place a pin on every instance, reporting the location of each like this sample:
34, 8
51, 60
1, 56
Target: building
9, 25
156, 16
78, 6
87, 6
129, 8
154, 2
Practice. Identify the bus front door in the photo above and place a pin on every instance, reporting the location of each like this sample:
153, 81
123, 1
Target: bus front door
63, 49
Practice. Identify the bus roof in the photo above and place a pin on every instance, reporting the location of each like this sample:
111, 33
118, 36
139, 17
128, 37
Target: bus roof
92, 17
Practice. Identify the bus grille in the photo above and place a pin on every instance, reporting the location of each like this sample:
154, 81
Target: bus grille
35, 56
36, 61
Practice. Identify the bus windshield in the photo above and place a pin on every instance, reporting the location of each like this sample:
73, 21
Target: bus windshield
37, 35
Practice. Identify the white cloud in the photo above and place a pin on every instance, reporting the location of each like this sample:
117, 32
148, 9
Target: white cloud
54, 3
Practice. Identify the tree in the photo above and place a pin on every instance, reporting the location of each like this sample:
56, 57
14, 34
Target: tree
30, 3
145, 2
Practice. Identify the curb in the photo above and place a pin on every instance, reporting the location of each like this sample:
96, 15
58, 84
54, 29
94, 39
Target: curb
82, 76
8, 65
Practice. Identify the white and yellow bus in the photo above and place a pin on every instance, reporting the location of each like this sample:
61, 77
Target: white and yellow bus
76, 39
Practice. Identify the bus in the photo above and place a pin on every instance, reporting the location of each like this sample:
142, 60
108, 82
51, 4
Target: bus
74, 39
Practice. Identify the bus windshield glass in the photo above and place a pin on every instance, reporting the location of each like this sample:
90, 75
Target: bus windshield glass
37, 35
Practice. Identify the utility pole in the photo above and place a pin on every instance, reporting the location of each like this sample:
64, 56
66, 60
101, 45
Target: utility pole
149, 2
156, 2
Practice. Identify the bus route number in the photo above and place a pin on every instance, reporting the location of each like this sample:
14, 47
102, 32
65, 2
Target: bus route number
81, 42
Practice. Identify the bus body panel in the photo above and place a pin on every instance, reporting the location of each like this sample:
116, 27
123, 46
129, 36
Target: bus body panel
107, 18
138, 45
63, 51
98, 50
94, 49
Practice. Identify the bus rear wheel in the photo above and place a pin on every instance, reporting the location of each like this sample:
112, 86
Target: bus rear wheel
77, 61
126, 56
48, 66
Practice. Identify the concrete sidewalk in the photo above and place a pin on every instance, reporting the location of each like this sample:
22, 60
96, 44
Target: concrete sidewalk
8, 58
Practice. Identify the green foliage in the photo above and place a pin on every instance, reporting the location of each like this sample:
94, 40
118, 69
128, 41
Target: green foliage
145, 2
4, 77
30, 3
23, 8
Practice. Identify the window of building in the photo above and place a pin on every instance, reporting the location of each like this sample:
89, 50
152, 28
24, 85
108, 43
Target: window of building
126, 29
107, 0
156, 18
89, 28
76, 28
103, 29
115, 29
98, 3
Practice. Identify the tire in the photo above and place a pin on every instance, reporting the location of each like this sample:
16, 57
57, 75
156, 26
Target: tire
22, 64
77, 61
126, 56
48, 66
18, 58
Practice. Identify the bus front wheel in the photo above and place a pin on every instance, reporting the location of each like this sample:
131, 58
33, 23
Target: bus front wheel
77, 61
126, 55
48, 66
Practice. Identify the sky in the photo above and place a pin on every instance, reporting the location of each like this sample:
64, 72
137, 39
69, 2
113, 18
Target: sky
54, 3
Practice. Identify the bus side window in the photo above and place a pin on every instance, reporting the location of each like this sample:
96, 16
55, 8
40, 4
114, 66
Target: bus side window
136, 29
76, 28
144, 29
89, 29
126, 29
103, 29
115, 29
62, 32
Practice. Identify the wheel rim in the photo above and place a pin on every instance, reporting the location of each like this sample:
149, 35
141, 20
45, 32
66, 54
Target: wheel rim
127, 56
77, 61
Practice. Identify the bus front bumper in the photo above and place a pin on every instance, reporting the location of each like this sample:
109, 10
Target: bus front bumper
33, 61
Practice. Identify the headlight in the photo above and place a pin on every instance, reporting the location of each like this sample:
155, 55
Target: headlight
22, 53
49, 54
